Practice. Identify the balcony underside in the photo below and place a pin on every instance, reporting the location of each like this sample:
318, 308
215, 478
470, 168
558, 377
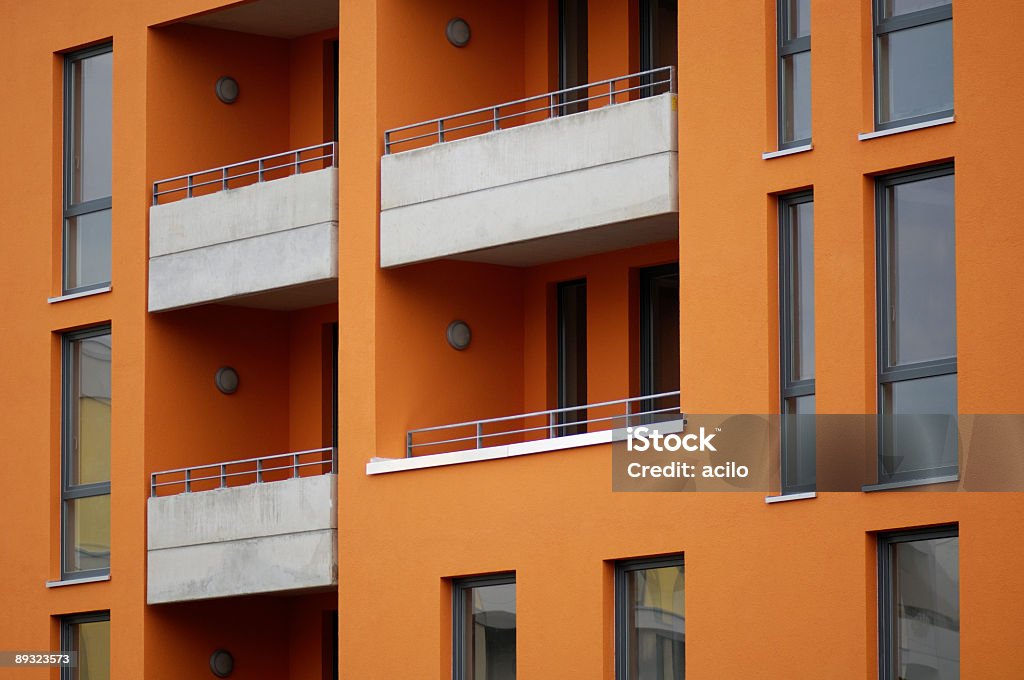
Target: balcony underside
568, 186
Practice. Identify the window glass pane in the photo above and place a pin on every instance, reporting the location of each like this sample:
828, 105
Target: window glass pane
90, 411
801, 224
92, 643
798, 18
660, 333
891, 8
796, 97
926, 600
655, 623
572, 353
799, 442
915, 71
88, 250
919, 425
490, 632
922, 270
91, 90
87, 533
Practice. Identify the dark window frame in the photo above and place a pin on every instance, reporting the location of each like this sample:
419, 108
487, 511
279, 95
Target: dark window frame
883, 27
648, 334
67, 642
572, 102
789, 388
566, 422
888, 372
459, 588
69, 491
886, 585
648, 25
622, 568
71, 209
786, 48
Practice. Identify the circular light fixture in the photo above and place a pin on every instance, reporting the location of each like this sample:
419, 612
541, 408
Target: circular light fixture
222, 663
459, 335
227, 89
457, 32
226, 380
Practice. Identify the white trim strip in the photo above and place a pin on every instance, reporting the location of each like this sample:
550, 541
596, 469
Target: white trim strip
887, 486
790, 497
906, 128
786, 152
378, 466
74, 296
76, 581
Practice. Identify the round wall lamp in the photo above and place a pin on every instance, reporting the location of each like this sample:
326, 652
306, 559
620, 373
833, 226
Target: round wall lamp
226, 380
459, 335
226, 89
457, 32
222, 663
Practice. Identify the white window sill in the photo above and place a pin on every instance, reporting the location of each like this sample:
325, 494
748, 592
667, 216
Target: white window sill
906, 128
77, 581
790, 497
379, 466
786, 152
75, 296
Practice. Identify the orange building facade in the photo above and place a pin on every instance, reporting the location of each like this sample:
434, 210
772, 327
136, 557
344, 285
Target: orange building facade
248, 291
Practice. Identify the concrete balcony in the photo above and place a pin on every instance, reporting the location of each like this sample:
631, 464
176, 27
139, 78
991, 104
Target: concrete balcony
566, 186
266, 525
263, 233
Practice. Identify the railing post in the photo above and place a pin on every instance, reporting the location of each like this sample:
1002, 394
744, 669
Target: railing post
259, 170
152, 485
479, 435
295, 466
156, 193
629, 411
497, 118
259, 471
298, 163
440, 130
188, 187
671, 79
387, 142
611, 92
551, 425
408, 444
551, 106
188, 481
334, 459
223, 476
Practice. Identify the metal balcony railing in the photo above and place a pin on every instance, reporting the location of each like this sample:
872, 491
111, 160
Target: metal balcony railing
558, 103
266, 168
555, 422
246, 471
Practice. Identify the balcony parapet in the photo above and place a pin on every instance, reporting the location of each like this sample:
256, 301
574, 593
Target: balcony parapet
242, 527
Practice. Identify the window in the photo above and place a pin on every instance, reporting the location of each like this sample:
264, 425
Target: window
659, 46
919, 604
88, 636
913, 61
88, 86
572, 54
650, 623
85, 454
572, 355
794, 79
659, 335
917, 358
796, 342
484, 628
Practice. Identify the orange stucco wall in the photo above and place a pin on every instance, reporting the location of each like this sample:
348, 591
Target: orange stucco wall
764, 584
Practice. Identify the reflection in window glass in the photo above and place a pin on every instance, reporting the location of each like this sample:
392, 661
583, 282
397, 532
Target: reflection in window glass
89, 637
85, 445
891, 8
652, 635
920, 584
485, 629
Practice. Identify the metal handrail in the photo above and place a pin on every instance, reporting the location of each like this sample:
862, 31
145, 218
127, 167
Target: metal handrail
223, 475
556, 104
224, 176
552, 425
